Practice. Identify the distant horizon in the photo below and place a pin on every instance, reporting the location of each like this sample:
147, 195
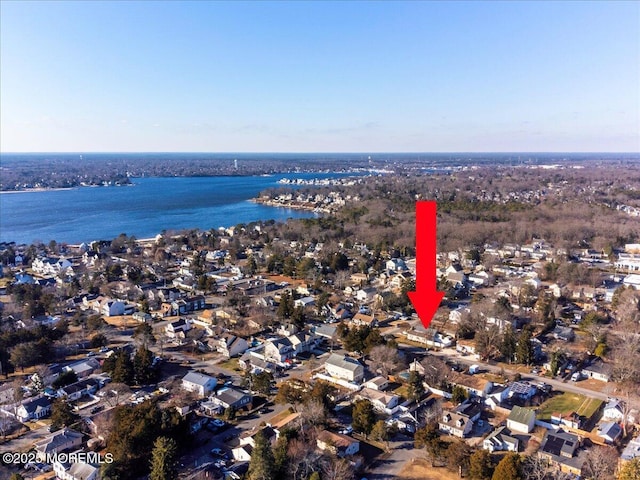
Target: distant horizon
319, 152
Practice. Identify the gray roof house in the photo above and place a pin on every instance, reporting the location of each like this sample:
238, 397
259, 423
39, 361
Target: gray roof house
199, 383
344, 368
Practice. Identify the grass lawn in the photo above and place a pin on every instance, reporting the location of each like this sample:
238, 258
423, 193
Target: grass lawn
231, 364
567, 403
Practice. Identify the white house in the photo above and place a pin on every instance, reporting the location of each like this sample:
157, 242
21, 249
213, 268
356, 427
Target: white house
337, 444
178, 328
521, 420
59, 441
610, 432
456, 424
382, 401
199, 383
112, 308
76, 471
33, 409
231, 346
614, 410
345, 368
501, 440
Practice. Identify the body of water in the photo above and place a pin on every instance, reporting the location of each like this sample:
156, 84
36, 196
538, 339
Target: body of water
145, 209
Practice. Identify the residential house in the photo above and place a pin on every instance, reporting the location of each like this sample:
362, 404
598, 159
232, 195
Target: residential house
559, 448
456, 424
337, 444
177, 329
59, 441
501, 440
396, 265
80, 389
632, 450
362, 319
377, 383
572, 420
521, 420
566, 334
278, 350
232, 398
429, 337
326, 331
33, 409
199, 383
382, 402
76, 471
302, 342
523, 391
112, 308
304, 302
367, 294
610, 432
142, 317
230, 346
598, 370
613, 410
84, 368
344, 368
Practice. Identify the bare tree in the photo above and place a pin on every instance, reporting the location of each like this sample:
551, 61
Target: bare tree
301, 458
334, 468
536, 468
117, 393
601, 463
312, 412
383, 359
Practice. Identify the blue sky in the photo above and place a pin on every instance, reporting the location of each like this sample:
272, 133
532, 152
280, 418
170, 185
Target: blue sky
320, 77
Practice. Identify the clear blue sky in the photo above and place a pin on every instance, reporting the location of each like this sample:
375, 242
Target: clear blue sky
320, 77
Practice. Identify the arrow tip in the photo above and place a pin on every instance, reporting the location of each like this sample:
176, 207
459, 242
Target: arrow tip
426, 305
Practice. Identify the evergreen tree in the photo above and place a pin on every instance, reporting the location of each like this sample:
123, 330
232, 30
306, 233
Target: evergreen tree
524, 350
509, 344
262, 464
458, 394
123, 371
509, 468
163, 459
415, 390
480, 466
144, 373
363, 416
62, 414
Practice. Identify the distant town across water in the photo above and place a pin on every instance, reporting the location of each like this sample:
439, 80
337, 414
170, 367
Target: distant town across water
144, 209
143, 194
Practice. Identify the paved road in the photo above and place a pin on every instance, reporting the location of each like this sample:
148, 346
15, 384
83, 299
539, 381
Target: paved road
390, 466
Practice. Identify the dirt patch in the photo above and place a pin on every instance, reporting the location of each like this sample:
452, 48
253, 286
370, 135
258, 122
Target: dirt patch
420, 469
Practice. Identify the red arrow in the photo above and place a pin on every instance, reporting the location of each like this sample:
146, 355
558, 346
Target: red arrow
426, 299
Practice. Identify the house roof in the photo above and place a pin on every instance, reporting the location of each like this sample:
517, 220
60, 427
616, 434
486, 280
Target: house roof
503, 435
230, 395
336, 439
559, 443
57, 440
344, 362
522, 415
198, 378
611, 430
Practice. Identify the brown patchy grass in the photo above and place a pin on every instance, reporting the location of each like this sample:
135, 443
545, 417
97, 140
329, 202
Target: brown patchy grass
420, 469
